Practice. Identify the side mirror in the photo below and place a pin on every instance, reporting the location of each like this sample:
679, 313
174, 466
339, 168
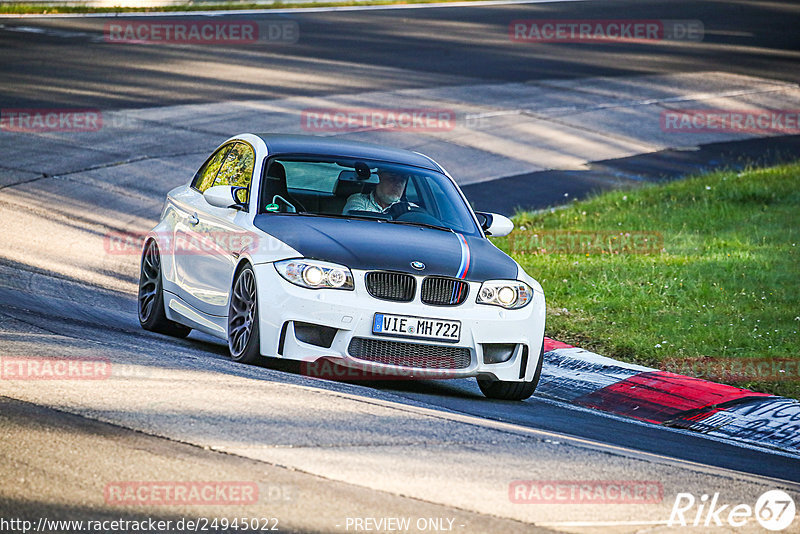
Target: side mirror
225, 196
494, 224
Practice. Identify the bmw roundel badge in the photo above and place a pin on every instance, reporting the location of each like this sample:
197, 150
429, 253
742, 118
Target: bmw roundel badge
418, 265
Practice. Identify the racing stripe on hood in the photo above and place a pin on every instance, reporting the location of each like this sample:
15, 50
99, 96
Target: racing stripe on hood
465, 257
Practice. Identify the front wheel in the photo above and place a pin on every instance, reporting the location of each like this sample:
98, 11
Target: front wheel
151, 296
243, 333
505, 390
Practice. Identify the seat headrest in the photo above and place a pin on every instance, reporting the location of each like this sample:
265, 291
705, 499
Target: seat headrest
276, 170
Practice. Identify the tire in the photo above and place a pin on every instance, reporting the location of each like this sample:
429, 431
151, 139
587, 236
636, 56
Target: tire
150, 301
243, 331
505, 390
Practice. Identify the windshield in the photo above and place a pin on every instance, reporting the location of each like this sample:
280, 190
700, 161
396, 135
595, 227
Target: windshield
364, 189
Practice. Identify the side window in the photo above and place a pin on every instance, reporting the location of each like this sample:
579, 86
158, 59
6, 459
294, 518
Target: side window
205, 176
238, 168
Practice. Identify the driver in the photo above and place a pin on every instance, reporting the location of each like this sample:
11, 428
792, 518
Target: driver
387, 192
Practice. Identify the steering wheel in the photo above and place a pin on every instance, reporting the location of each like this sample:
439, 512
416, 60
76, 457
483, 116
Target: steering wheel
398, 209
407, 212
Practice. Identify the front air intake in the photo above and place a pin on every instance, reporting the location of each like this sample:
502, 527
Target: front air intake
416, 355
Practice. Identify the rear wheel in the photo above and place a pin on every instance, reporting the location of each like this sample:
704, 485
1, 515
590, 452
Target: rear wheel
243, 332
151, 296
505, 390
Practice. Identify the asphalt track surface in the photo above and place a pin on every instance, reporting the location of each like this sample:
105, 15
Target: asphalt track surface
383, 50
463, 396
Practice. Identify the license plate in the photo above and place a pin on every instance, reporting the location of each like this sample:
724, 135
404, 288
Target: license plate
416, 327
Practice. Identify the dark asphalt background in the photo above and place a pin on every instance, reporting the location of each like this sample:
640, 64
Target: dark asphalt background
757, 38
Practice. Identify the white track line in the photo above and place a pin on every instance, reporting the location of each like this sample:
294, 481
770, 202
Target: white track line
567, 524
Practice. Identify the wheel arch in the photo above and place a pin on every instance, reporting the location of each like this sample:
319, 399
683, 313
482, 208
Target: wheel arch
241, 263
251, 353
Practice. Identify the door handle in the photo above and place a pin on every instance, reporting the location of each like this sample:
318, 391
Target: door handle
193, 220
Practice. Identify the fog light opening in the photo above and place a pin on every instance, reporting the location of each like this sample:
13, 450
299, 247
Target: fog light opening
498, 352
314, 334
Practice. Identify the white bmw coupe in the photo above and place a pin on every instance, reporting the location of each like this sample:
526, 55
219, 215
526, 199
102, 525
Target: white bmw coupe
309, 248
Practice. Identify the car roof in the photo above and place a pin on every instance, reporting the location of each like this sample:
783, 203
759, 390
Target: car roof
332, 146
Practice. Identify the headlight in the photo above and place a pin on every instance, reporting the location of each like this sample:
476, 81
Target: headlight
315, 274
509, 294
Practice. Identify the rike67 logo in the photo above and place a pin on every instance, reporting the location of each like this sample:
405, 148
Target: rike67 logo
774, 510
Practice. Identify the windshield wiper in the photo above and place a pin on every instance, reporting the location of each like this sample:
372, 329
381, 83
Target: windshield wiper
341, 216
378, 219
426, 225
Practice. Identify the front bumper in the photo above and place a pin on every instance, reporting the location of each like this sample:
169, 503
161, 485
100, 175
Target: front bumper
282, 305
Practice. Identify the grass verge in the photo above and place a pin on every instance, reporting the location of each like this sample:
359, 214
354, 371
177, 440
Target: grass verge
15, 8
719, 300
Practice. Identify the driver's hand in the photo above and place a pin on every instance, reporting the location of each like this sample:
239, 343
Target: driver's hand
398, 209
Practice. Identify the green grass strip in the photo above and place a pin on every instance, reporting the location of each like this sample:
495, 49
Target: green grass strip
25, 8
720, 296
